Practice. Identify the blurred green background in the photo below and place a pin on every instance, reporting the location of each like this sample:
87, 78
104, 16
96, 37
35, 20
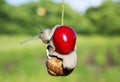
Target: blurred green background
98, 41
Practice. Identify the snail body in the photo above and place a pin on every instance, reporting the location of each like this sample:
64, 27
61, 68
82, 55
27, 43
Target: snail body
61, 49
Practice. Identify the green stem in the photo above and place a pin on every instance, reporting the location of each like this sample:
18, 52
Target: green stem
62, 12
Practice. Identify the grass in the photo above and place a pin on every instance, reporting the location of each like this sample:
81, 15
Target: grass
98, 60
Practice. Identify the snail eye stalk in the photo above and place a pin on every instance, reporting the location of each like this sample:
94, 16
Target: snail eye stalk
39, 27
36, 37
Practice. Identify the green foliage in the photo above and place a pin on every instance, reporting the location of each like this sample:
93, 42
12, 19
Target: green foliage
24, 19
106, 18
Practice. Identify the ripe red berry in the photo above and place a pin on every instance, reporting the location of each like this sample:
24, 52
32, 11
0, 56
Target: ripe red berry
64, 39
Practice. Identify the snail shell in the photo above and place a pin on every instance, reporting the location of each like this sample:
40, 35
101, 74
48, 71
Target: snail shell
55, 67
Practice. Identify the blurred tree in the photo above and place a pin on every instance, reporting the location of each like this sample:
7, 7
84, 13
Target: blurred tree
2, 2
106, 18
22, 19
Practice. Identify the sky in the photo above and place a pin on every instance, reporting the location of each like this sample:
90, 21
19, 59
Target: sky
79, 5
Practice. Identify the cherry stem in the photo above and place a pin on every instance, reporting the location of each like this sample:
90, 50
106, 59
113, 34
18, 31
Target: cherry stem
62, 11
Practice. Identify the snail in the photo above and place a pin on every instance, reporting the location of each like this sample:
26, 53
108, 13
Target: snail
61, 49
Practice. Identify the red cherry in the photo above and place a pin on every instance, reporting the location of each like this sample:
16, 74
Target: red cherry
64, 39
